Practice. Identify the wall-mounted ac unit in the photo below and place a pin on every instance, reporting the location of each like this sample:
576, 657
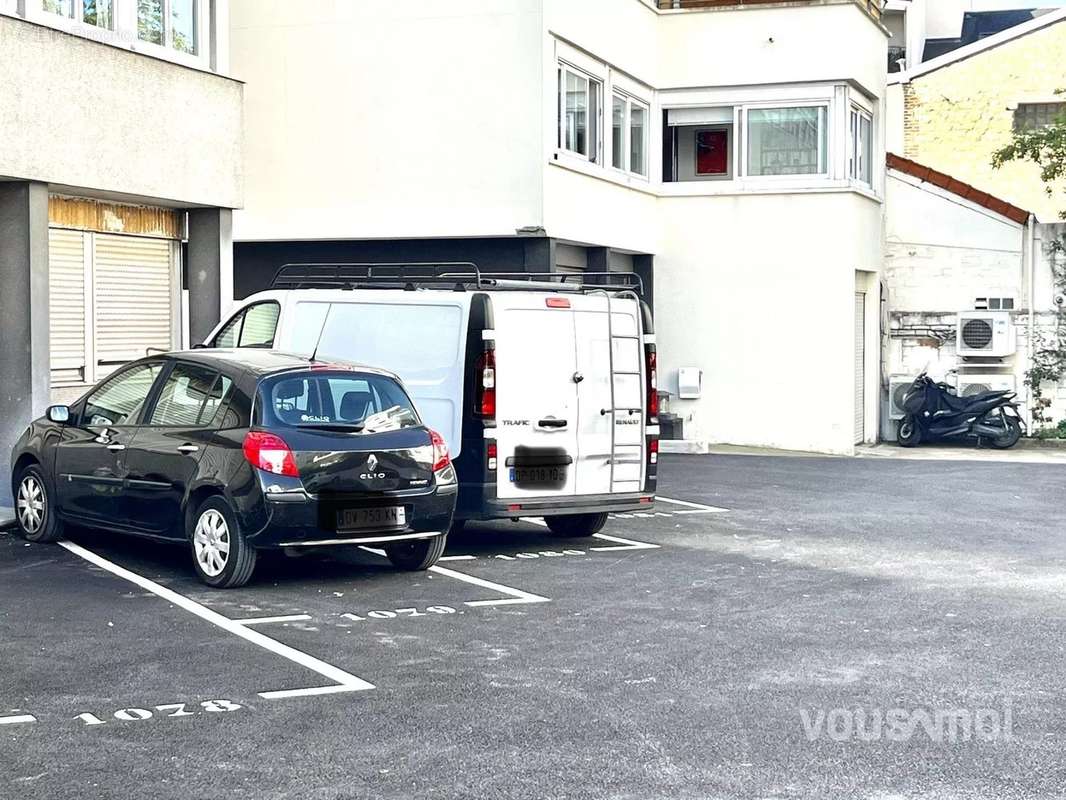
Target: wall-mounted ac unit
897, 387
985, 333
976, 383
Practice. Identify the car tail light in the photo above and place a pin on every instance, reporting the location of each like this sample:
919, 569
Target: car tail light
653, 451
486, 390
442, 461
270, 453
651, 361
491, 452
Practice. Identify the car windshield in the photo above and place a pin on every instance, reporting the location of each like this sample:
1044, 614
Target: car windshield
348, 401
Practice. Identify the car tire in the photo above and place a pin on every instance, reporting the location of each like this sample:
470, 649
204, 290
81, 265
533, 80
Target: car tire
1010, 438
220, 555
908, 432
34, 508
576, 525
418, 554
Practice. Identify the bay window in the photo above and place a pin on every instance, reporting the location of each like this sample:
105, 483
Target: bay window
92, 12
579, 117
787, 141
168, 23
629, 135
860, 145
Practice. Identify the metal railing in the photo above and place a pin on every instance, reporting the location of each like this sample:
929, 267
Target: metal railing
872, 7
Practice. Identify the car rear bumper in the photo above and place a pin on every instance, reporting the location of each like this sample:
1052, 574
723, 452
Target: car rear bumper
298, 519
479, 502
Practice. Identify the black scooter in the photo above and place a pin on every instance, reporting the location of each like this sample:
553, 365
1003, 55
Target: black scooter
935, 411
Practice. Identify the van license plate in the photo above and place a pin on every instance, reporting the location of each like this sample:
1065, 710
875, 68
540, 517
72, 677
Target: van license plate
538, 476
349, 519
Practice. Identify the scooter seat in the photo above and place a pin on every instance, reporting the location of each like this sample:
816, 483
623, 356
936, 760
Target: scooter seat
957, 403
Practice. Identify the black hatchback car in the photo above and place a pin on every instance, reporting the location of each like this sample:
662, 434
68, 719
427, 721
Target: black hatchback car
236, 451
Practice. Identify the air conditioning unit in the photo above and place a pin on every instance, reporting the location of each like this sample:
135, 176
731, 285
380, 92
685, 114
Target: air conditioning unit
897, 387
977, 383
985, 333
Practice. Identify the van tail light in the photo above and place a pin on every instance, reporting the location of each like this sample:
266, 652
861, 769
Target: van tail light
486, 388
491, 456
443, 470
653, 452
651, 363
270, 453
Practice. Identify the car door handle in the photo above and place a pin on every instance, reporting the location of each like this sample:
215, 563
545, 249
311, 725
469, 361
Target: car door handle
552, 424
116, 448
188, 448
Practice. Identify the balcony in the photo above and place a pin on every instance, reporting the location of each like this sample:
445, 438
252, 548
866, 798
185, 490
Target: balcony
872, 7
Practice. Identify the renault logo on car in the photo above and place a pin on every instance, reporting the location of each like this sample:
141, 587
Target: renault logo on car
371, 469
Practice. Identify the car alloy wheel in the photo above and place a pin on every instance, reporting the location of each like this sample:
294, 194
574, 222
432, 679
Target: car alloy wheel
211, 541
31, 504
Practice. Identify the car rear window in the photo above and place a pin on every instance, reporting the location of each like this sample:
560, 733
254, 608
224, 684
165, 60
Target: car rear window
353, 401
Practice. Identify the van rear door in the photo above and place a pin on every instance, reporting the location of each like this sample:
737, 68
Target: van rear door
536, 395
606, 465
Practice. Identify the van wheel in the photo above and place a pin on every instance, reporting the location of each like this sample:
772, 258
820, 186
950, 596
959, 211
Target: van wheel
417, 555
575, 525
221, 556
34, 509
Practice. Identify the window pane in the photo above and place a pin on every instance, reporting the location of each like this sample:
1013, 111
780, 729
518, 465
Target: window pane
120, 399
65, 8
638, 130
183, 25
577, 103
866, 152
787, 141
594, 121
183, 396
97, 12
217, 396
227, 337
367, 403
150, 21
259, 324
618, 124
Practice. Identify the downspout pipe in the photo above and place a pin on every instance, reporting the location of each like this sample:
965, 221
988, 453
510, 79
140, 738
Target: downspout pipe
1030, 256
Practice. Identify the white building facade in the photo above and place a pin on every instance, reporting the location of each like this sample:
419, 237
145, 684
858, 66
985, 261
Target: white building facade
731, 156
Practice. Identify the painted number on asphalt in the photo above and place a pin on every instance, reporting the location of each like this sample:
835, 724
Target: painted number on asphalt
400, 612
166, 710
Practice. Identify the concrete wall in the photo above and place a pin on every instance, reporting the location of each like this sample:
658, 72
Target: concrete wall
772, 327
87, 115
956, 117
376, 120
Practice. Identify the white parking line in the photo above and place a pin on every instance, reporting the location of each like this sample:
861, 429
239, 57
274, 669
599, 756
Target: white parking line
270, 620
516, 596
346, 682
19, 718
700, 508
456, 558
627, 544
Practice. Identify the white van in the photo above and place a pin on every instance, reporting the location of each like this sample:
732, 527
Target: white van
543, 385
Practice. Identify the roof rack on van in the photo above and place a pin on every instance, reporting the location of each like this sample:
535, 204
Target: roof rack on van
459, 274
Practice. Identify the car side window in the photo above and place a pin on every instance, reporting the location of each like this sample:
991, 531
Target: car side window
260, 324
229, 335
119, 399
190, 397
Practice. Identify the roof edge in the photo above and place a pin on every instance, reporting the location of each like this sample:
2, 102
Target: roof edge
958, 188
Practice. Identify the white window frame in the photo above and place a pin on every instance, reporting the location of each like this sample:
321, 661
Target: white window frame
825, 172
627, 127
856, 150
593, 140
123, 30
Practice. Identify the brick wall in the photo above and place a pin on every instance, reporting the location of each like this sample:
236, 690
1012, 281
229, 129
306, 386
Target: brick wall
956, 117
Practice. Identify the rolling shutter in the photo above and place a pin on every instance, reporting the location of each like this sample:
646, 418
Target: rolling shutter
134, 297
66, 306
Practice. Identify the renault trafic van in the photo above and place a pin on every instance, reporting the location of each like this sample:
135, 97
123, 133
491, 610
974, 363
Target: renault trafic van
543, 385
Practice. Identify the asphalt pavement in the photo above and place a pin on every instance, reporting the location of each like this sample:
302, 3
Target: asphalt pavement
784, 627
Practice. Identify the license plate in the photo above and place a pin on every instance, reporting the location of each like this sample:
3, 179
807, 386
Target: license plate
538, 475
356, 518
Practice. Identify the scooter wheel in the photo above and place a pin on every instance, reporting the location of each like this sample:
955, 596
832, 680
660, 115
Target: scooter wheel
1010, 437
908, 432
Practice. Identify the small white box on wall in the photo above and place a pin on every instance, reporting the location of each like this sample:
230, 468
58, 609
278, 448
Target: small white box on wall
689, 383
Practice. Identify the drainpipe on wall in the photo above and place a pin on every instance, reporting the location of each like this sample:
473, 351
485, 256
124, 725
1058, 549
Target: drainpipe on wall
1031, 269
